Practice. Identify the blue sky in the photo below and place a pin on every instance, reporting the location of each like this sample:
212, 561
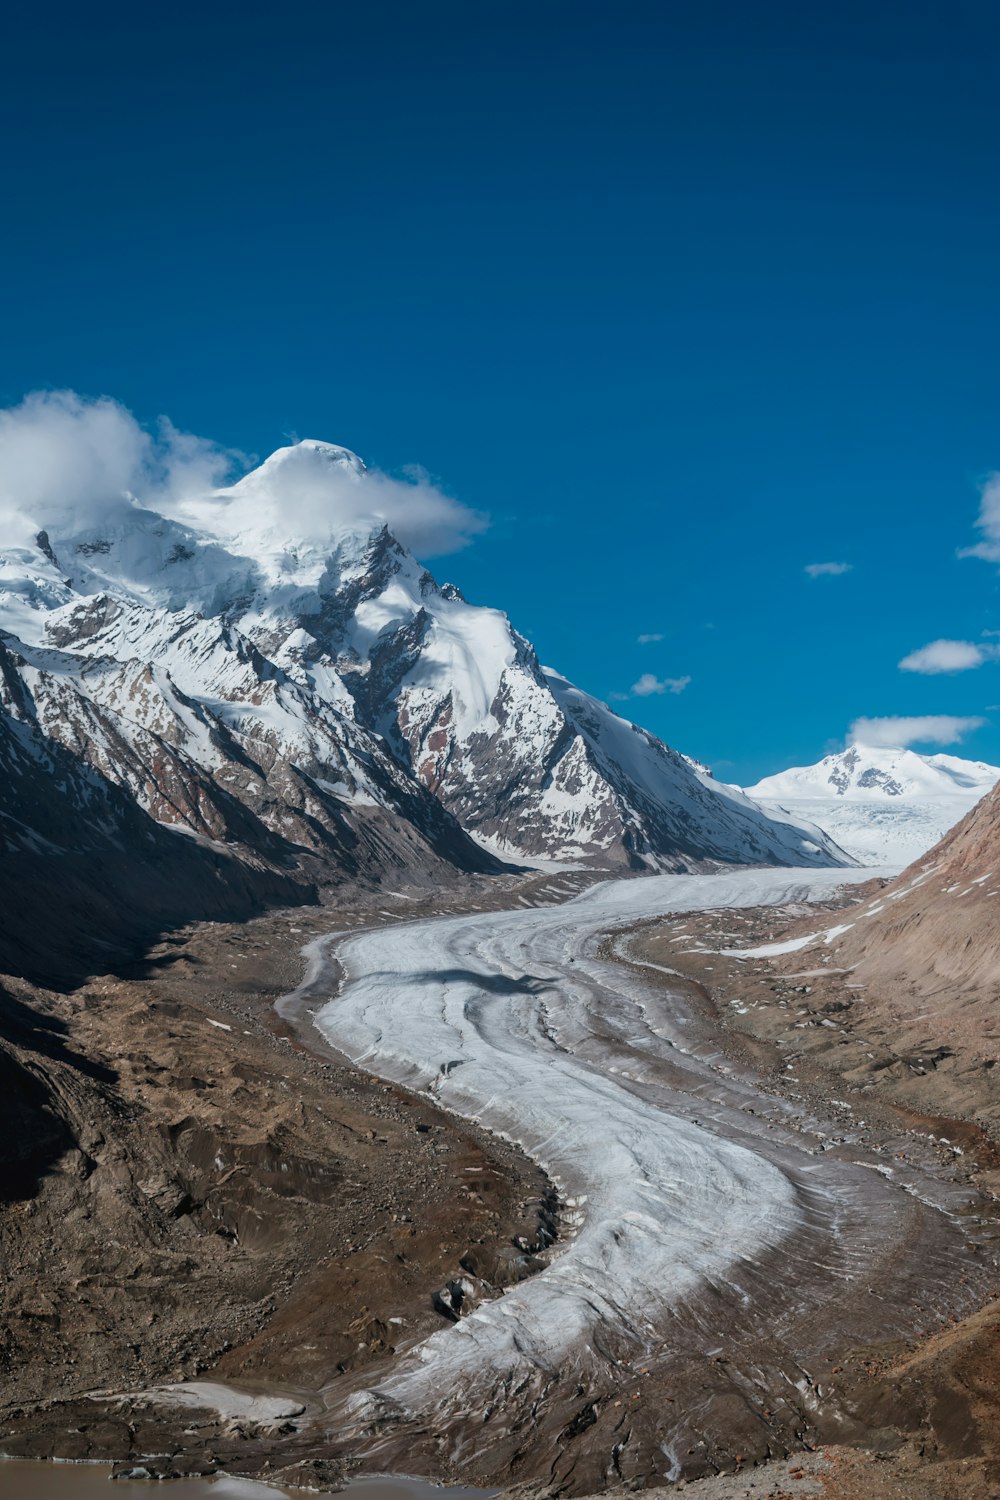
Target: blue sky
686, 296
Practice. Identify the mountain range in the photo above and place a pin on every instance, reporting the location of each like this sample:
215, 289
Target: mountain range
298, 709
883, 806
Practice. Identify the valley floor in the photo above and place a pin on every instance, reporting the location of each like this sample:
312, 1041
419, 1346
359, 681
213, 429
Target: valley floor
756, 1255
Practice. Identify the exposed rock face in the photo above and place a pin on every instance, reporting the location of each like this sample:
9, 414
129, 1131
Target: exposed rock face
207, 734
84, 872
128, 807
523, 759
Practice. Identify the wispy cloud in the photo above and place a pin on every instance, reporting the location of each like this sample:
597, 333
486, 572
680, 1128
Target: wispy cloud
827, 569
948, 656
931, 729
649, 637
988, 522
648, 685
69, 464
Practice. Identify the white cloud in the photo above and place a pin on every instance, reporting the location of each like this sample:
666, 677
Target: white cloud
931, 729
649, 638
312, 489
827, 569
67, 461
988, 522
948, 656
69, 464
648, 685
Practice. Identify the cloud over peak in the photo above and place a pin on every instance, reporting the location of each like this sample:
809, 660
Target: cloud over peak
932, 729
66, 460
69, 462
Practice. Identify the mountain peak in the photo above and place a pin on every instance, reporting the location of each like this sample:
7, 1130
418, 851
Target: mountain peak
871, 772
884, 804
308, 461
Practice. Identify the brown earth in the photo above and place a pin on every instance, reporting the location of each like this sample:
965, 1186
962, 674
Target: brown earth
840, 1473
926, 950
194, 1192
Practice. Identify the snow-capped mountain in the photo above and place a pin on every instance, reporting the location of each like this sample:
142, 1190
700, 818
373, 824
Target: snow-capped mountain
313, 699
84, 872
883, 806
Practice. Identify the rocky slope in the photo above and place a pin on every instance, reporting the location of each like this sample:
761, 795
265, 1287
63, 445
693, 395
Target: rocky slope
86, 875
884, 806
929, 944
318, 704
917, 964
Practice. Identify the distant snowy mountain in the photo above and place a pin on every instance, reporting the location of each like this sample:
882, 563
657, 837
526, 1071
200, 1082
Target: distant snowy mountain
318, 702
883, 806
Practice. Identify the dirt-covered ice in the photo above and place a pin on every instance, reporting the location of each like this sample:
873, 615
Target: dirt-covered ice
675, 1175
491, 1011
